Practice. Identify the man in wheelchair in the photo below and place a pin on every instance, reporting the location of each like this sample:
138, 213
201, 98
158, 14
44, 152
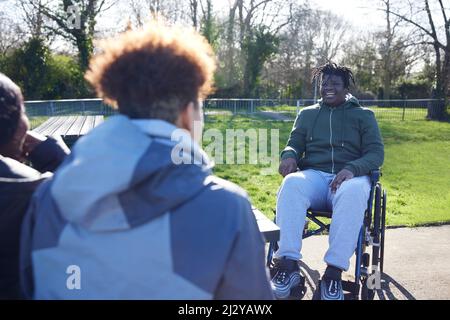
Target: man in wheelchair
335, 144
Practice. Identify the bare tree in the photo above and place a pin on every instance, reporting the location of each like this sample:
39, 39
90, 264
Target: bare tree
11, 34
424, 20
193, 5
330, 35
311, 38
73, 20
172, 11
262, 19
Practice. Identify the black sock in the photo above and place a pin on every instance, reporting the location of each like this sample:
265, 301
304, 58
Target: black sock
333, 273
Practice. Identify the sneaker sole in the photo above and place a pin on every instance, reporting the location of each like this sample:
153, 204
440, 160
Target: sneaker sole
285, 293
325, 297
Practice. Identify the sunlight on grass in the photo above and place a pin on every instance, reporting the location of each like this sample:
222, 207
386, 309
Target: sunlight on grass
416, 173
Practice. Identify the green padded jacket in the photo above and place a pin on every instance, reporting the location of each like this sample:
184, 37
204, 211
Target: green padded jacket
331, 139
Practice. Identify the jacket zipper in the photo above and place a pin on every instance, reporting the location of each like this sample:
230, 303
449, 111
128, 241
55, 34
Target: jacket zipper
331, 141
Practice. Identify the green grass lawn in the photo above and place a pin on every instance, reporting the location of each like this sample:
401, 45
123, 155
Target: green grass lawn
416, 171
37, 121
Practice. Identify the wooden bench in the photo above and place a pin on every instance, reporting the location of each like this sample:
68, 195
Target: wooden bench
269, 230
69, 128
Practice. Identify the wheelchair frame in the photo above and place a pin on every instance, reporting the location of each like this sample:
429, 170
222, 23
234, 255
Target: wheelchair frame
372, 235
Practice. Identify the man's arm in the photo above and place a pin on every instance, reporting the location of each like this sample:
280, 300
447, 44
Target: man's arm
292, 154
372, 148
245, 275
47, 155
297, 141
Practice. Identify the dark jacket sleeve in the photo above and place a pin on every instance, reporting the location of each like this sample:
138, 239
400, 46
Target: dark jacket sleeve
26, 268
297, 141
49, 155
245, 276
372, 148
26, 241
15, 195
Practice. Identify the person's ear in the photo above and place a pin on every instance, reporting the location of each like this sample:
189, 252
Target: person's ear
187, 117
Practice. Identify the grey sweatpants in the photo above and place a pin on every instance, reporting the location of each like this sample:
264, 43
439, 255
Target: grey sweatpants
311, 189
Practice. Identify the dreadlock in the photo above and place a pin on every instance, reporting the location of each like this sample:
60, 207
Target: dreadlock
332, 68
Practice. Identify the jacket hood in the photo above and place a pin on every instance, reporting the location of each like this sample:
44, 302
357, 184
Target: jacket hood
350, 102
126, 173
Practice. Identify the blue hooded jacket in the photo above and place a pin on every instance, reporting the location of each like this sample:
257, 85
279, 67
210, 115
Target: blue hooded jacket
136, 225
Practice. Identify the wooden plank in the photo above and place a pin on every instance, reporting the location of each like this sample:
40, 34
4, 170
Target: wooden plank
88, 125
74, 131
64, 126
99, 120
54, 126
259, 215
268, 229
43, 127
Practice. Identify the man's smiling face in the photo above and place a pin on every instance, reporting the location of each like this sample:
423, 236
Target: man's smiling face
333, 90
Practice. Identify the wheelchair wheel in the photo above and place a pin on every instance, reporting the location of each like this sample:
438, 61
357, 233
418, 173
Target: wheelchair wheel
376, 230
366, 293
376, 234
383, 231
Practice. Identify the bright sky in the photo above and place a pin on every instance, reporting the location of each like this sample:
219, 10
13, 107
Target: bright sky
361, 13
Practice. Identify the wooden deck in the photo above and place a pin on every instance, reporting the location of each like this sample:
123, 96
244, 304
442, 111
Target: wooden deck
269, 230
69, 128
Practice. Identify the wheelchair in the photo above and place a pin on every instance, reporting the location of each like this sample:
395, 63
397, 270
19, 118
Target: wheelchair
369, 251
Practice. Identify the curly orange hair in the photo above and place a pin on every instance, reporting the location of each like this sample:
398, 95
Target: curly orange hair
154, 72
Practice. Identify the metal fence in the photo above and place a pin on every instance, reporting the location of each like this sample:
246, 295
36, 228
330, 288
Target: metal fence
384, 109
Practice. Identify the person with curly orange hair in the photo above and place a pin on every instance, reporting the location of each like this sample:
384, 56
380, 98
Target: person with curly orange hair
136, 213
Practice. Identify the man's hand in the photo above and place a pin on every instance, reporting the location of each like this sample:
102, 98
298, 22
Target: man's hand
341, 177
32, 140
288, 166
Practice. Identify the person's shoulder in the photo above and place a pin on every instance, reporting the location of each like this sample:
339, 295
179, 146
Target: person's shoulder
226, 189
360, 110
309, 112
365, 113
311, 109
221, 202
226, 196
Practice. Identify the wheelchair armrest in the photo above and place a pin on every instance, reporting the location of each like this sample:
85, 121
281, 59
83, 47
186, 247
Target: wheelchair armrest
375, 176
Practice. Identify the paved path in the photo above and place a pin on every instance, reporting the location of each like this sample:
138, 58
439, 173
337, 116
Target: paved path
278, 116
417, 264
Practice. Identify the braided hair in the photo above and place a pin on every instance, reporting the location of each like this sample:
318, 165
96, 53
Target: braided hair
332, 68
11, 102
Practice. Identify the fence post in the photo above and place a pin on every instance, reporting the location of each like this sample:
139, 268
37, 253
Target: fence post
252, 108
404, 109
52, 109
235, 107
298, 107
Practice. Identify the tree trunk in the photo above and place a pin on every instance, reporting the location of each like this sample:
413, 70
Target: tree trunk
436, 110
230, 42
387, 55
